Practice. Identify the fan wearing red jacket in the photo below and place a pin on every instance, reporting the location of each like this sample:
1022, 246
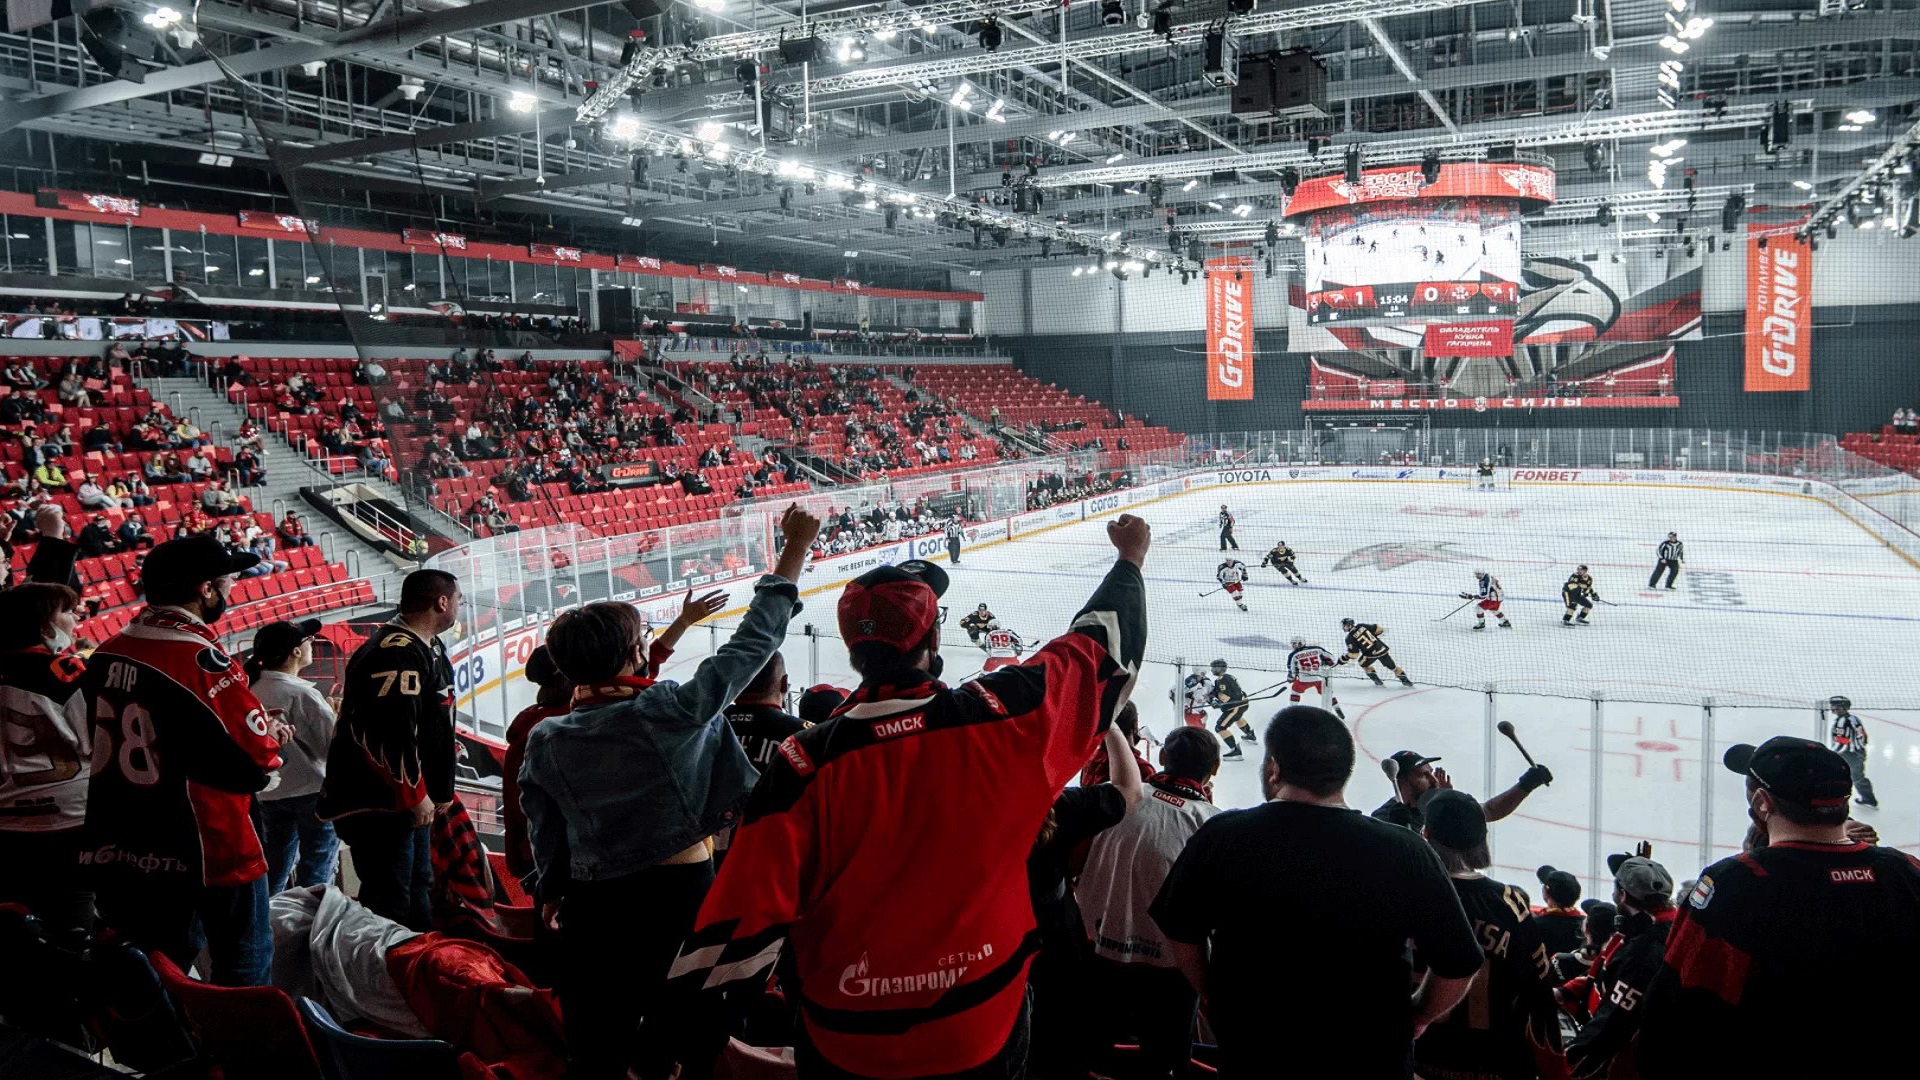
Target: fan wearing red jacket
180, 746
909, 921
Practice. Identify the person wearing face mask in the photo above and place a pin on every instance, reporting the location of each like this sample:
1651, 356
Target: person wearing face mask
180, 747
390, 764
911, 922
45, 747
623, 797
1765, 939
281, 651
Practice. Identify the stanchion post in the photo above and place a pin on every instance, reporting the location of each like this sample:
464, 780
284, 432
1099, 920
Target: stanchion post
1707, 769
1597, 764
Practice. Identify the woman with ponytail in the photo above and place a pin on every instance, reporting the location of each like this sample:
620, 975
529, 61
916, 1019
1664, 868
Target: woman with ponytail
289, 826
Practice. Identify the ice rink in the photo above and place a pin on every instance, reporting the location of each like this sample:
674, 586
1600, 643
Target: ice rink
1782, 602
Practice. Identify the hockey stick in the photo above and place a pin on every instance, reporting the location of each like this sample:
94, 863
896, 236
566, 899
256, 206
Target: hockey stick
1609, 603
1210, 592
1456, 611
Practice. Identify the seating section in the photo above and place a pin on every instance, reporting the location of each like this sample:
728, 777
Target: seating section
1889, 447
1026, 402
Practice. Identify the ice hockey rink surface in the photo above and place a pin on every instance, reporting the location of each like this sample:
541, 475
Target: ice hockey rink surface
1782, 603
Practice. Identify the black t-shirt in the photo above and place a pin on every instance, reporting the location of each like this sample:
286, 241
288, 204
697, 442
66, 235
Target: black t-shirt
1309, 910
761, 729
1509, 1012
1395, 812
1079, 815
1563, 931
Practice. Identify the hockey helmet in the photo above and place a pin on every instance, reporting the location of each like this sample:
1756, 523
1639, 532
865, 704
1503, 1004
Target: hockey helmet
1581, 569
1348, 623
1481, 573
982, 607
1840, 702
1194, 678
1299, 642
1219, 667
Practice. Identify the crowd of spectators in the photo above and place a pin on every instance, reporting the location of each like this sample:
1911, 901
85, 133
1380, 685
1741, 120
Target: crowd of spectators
1045, 491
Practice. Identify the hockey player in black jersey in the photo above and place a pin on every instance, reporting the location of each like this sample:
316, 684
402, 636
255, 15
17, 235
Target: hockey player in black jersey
1578, 593
978, 622
1281, 559
1364, 644
1231, 700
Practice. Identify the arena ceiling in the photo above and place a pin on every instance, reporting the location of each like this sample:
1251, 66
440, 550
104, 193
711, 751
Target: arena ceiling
899, 142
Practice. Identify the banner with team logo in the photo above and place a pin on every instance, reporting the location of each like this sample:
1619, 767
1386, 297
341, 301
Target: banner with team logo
1779, 314
1230, 329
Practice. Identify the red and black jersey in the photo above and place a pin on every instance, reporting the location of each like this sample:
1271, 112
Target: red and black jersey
1786, 959
1620, 993
46, 741
886, 848
180, 745
394, 743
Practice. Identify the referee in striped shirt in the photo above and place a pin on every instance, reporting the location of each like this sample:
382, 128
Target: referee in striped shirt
1671, 554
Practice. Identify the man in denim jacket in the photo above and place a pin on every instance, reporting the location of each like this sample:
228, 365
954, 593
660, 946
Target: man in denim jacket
622, 796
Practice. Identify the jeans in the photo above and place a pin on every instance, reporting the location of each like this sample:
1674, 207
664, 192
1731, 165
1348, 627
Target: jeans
289, 828
228, 921
395, 863
632, 926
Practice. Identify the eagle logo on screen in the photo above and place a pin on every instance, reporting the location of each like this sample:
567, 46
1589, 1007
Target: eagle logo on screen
1562, 298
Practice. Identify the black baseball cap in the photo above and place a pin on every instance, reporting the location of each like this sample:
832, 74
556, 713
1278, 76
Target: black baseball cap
1409, 760
276, 641
1558, 884
541, 670
817, 703
1601, 917
1640, 877
1454, 819
191, 560
1798, 770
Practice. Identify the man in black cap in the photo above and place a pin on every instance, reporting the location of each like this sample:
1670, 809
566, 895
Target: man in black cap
1561, 919
1511, 1025
910, 918
180, 746
1643, 893
1766, 938
1413, 776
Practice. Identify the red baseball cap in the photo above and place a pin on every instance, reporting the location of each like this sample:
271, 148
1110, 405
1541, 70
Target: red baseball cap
893, 605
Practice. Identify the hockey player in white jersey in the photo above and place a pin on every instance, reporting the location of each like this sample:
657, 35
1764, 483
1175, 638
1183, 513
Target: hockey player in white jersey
1192, 696
1486, 589
1307, 666
1232, 576
1003, 647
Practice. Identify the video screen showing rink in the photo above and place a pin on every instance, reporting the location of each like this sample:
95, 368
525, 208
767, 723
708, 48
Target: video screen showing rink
1781, 601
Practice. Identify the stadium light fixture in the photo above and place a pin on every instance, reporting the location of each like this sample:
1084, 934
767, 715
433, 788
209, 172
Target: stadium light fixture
521, 102
1674, 45
625, 127
709, 131
1214, 206
1803, 185
1242, 210
711, 5
997, 112
1189, 185
1861, 116
1114, 158
962, 96
162, 18
313, 279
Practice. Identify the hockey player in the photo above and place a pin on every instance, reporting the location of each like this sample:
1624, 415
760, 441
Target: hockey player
1227, 696
954, 533
1003, 647
977, 623
1487, 591
1192, 697
1281, 559
1578, 594
1226, 529
1307, 666
1850, 742
1232, 576
1483, 481
1364, 644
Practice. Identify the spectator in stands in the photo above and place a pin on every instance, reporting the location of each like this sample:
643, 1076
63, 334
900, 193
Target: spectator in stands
629, 867
21, 376
554, 698
1276, 859
1416, 776
1765, 936
164, 468
43, 781
97, 538
72, 391
167, 813
301, 849
99, 438
247, 469
1561, 921
260, 542
293, 531
1513, 1026
374, 372
217, 501
50, 476
1138, 993
199, 466
133, 534
94, 497
390, 765
1643, 893
897, 882
187, 434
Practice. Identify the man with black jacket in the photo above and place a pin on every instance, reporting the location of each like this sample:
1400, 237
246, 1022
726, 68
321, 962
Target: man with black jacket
759, 717
390, 766
1643, 892
1672, 553
910, 921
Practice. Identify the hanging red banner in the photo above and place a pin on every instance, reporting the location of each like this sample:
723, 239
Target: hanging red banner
1779, 314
